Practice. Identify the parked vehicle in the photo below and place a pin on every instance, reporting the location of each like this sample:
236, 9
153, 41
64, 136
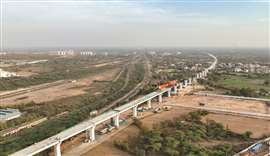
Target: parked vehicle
201, 104
103, 131
157, 110
167, 108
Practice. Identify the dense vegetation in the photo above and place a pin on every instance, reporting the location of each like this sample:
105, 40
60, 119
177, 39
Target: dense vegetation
78, 110
181, 137
240, 84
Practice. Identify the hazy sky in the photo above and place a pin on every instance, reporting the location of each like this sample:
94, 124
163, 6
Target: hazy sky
135, 23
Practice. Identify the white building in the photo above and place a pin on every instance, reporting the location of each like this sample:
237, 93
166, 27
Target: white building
87, 53
237, 70
65, 52
9, 114
6, 73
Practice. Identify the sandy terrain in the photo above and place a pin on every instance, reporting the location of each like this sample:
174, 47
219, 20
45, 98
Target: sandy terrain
60, 91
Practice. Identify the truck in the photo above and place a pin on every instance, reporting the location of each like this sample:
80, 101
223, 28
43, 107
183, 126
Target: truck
201, 104
167, 108
158, 110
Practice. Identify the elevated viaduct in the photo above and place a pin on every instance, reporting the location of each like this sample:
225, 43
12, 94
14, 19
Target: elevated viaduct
89, 125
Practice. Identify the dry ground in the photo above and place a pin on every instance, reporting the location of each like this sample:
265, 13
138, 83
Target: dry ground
238, 124
32, 70
59, 91
224, 103
258, 127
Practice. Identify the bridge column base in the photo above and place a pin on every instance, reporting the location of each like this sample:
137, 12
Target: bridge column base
160, 98
116, 121
90, 134
149, 105
169, 93
57, 149
135, 114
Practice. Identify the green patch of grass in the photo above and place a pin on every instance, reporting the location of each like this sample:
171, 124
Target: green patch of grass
240, 81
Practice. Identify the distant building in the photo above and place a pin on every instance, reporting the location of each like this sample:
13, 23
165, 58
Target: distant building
87, 53
65, 52
6, 73
237, 70
9, 114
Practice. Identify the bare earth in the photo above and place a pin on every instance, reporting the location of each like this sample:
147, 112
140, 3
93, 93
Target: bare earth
59, 91
224, 103
238, 124
32, 70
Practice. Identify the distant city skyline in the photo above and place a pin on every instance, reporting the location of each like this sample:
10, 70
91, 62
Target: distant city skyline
108, 23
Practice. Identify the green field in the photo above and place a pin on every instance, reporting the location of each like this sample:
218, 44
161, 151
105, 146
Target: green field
239, 81
233, 81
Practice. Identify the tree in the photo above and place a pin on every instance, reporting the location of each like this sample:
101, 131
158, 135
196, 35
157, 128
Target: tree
152, 141
266, 82
170, 146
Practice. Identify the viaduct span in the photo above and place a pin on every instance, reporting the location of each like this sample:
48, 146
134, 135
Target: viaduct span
89, 125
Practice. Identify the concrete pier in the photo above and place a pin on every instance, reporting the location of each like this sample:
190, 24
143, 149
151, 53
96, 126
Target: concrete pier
160, 98
175, 90
90, 133
190, 81
181, 86
185, 83
268, 147
200, 75
194, 79
116, 121
149, 105
169, 93
135, 113
57, 149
